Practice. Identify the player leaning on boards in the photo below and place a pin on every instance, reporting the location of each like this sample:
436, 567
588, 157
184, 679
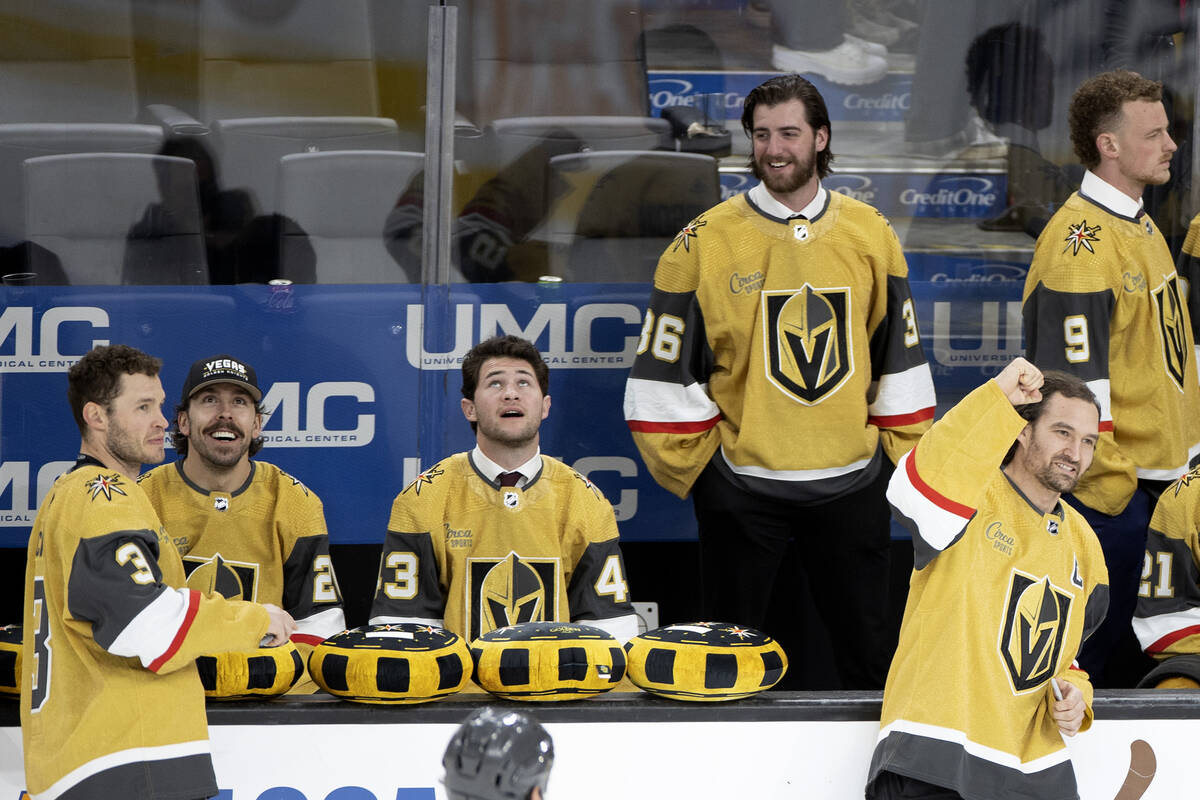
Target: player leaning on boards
1103, 302
246, 529
111, 704
778, 377
1007, 582
503, 534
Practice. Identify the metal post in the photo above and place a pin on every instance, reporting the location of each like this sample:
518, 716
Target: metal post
439, 143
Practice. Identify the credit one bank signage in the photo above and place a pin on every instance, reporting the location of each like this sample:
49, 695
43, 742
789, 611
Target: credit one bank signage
362, 385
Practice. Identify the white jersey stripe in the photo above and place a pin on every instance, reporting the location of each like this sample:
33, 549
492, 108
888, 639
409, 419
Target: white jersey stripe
133, 755
795, 475
937, 526
1151, 629
659, 401
1170, 473
903, 392
152, 632
382, 620
1007, 760
1103, 391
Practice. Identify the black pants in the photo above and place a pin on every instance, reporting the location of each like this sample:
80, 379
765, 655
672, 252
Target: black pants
844, 548
891, 786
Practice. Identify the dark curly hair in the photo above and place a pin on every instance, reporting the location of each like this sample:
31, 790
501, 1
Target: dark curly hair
1054, 382
96, 378
782, 88
502, 347
1096, 108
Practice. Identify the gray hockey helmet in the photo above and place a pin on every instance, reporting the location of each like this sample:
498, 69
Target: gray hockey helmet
497, 755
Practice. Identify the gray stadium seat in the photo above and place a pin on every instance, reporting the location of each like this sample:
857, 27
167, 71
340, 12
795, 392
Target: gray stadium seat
340, 201
248, 150
20, 141
116, 217
620, 209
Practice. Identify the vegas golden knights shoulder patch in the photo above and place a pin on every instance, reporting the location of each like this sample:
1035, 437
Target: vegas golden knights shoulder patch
547, 661
10, 661
404, 662
243, 674
705, 661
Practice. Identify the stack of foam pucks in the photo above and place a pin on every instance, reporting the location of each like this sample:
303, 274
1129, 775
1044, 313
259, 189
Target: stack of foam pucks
705, 661
405, 662
547, 661
244, 674
10, 660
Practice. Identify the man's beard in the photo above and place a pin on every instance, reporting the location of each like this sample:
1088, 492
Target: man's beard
802, 172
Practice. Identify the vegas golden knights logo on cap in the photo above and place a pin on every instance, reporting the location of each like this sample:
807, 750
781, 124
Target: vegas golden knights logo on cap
1035, 625
1171, 328
807, 341
506, 591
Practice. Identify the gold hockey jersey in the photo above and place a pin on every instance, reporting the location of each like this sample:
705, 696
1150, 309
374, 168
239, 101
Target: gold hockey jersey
788, 345
465, 553
265, 542
111, 704
1102, 301
999, 601
1167, 618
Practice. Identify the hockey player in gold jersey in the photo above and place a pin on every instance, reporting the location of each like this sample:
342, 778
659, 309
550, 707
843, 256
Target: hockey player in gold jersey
778, 378
1102, 301
1008, 580
503, 534
246, 529
111, 703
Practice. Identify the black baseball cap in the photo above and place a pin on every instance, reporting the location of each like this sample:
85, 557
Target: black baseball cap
221, 369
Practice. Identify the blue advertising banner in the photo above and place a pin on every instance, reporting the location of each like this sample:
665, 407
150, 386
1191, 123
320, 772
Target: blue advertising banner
362, 384
970, 194
886, 100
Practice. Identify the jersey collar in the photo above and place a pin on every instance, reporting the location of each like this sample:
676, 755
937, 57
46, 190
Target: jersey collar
762, 202
197, 487
1109, 197
490, 470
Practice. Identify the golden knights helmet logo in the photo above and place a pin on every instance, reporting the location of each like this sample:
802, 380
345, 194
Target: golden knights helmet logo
1172, 326
1035, 628
506, 591
806, 334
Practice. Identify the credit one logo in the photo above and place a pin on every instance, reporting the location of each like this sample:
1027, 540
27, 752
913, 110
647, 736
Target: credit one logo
21, 505
625, 502
550, 319
857, 186
982, 273
668, 92
283, 403
35, 341
946, 195
888, 101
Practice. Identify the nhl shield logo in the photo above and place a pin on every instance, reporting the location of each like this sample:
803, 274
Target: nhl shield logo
1173, 329
221, 504
806, 335
511, 499
1035, 627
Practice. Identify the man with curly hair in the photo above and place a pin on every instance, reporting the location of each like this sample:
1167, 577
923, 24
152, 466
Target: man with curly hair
1103, 302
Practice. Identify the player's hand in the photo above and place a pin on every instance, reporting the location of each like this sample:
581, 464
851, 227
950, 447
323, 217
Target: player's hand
1021, 382
281, 627
1068, 712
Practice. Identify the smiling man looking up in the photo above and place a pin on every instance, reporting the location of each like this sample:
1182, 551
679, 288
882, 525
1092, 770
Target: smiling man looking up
778, 378
503, 534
